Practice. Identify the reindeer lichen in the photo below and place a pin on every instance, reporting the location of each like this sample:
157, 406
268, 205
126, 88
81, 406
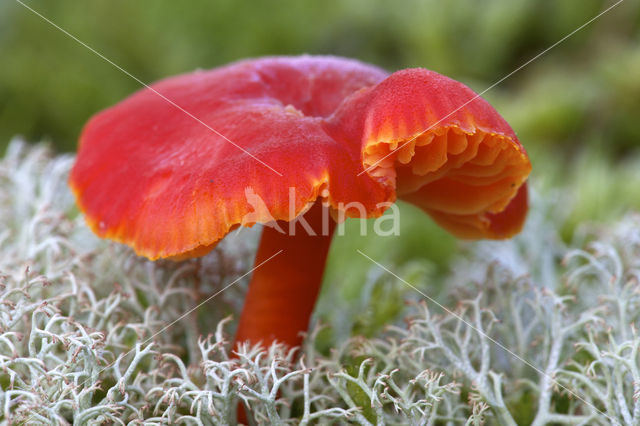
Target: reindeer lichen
532, 332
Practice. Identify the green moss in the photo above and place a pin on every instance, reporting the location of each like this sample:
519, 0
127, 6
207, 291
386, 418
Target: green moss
523, 408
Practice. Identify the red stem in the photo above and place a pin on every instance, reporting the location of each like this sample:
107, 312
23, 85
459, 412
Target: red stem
283, 291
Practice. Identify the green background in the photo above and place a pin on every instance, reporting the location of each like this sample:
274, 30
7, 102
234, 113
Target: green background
585, 88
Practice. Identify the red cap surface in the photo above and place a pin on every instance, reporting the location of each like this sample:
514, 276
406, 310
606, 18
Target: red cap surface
150, 175
172, 169
444, 149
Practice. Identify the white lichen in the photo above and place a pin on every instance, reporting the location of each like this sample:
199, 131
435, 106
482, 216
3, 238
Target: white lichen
532, 332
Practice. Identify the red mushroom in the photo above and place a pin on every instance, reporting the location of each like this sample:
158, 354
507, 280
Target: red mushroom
172, 169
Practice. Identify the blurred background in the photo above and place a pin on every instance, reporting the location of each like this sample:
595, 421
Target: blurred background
576, 109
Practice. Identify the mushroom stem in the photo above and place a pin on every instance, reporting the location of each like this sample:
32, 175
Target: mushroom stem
283, 291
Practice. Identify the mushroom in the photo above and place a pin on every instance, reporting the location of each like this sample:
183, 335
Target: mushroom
294, 143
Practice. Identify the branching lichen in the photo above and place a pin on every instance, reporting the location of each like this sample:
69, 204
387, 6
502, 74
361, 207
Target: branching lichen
92, 334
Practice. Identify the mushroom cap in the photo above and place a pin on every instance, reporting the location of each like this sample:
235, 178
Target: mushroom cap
444, 149
152, 173
174, 167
